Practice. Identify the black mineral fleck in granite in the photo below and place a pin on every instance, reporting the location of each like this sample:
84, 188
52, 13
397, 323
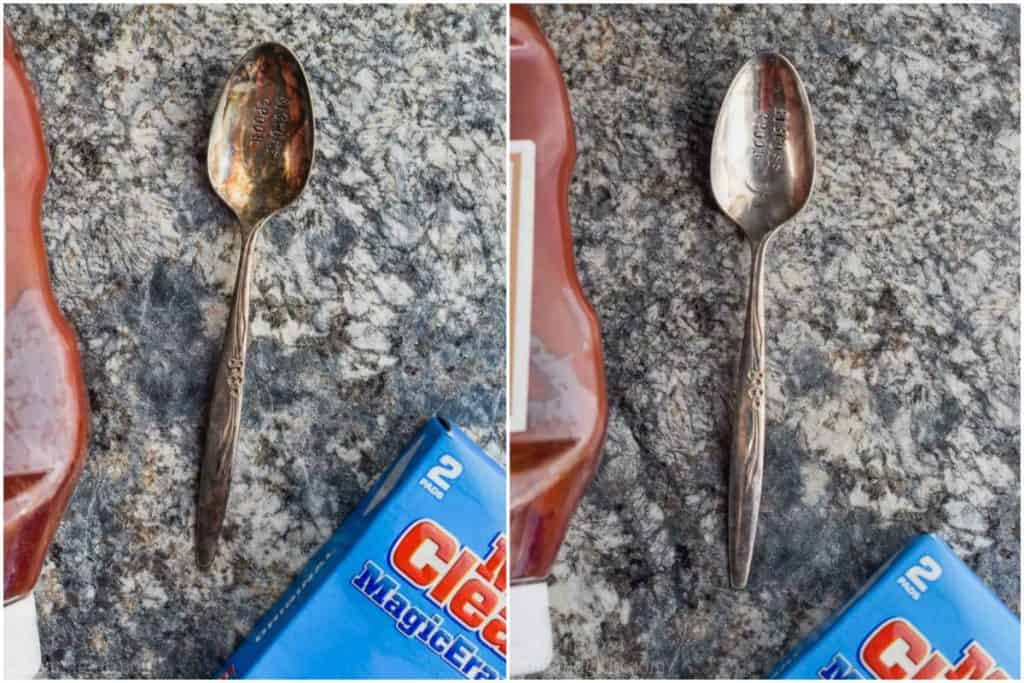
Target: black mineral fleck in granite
892, 321
378, 299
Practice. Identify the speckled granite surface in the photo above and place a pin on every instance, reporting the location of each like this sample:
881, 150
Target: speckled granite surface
378, 299
893, 325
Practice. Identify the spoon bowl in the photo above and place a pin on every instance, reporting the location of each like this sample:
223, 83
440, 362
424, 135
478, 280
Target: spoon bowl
762, 175
259, 160
763, 150
261, 150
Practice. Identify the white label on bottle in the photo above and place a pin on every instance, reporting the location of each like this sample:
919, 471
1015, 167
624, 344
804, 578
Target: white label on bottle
522, 177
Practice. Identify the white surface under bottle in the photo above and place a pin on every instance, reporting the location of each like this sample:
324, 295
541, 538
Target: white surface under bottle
22, 655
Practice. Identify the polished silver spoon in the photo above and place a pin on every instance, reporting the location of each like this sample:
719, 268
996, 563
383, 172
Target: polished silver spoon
259, 160
762, 174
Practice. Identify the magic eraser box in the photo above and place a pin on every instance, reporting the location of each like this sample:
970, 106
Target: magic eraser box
924, 615
412, 585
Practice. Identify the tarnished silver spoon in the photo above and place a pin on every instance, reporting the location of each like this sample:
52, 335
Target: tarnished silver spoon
259, 160
762, 174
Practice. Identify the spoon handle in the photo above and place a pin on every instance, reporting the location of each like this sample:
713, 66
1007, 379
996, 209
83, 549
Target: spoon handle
224, 420
747, 453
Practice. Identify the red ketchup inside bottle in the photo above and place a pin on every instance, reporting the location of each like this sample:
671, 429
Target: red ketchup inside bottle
45, 406
558, 409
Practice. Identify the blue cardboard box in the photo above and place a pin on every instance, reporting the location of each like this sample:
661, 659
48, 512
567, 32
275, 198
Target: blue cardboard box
412, 585
923, 615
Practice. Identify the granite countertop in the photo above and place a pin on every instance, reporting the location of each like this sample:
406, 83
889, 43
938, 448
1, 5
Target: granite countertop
378, 299
892, 321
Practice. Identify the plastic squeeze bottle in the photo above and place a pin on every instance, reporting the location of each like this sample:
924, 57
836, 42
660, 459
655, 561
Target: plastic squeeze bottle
45, 408
558, 409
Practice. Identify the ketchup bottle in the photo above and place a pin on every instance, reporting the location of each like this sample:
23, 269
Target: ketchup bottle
45, 408
558, 409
